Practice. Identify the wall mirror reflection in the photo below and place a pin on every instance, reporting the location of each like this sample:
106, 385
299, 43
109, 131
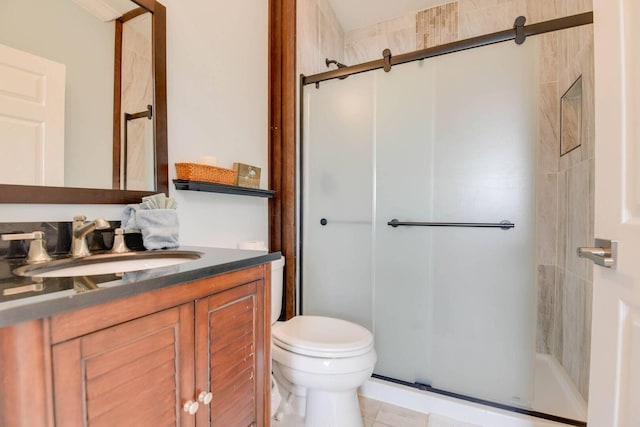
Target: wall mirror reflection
571, 118
77, 94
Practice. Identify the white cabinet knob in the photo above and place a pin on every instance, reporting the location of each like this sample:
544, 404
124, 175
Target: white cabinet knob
191, 407
205, 397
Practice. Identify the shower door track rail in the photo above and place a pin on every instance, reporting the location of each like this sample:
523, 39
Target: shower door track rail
515, 409
515, 33
504, 225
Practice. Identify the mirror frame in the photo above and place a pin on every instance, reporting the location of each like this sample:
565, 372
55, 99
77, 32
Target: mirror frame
73, 195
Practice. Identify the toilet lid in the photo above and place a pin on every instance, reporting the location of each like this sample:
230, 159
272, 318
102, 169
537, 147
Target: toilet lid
322, 337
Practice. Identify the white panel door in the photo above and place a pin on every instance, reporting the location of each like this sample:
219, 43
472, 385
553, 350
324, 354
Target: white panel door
614, 399
31, 119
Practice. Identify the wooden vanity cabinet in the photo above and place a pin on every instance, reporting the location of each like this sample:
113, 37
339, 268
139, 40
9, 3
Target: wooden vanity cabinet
138, 361
227, 352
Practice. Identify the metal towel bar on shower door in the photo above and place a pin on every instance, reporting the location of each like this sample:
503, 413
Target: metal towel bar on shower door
504, 225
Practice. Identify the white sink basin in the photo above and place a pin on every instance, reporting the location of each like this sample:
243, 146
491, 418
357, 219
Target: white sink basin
107, 264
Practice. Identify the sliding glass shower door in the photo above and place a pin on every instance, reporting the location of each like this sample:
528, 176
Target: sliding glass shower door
445, 140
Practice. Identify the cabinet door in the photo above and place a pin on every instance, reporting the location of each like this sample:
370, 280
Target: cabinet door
138, 373
229, 356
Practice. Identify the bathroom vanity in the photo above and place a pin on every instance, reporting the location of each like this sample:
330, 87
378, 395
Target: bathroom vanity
186, 345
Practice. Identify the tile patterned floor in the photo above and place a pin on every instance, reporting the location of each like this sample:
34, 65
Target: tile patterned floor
381, 414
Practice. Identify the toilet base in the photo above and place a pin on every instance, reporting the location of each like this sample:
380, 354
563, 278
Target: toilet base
335, 409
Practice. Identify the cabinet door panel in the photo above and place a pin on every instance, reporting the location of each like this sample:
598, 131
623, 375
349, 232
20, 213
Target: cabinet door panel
226, 327
138, 373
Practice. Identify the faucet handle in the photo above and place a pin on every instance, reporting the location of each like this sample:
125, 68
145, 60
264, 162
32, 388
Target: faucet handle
119, 245
23, 236
37, 248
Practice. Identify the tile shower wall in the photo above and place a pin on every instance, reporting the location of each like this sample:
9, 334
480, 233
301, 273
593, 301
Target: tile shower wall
450, 22
565, 183
320, 36
565, 207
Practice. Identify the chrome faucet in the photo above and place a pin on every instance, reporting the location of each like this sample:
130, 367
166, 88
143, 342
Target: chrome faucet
81, 227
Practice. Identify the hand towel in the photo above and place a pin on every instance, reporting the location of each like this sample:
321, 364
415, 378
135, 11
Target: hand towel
128, 219
159, 228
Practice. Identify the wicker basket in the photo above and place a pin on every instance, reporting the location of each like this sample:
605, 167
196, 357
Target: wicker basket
206, 173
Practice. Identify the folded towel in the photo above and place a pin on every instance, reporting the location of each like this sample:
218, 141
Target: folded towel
158, 201
159, 227
128, 220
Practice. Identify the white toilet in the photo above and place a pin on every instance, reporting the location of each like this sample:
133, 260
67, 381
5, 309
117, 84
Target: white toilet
318, 363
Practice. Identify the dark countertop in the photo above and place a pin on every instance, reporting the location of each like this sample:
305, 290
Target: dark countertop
29, 298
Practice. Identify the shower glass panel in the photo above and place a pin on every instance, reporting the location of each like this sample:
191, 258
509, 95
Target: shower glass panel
338, 163
448, 139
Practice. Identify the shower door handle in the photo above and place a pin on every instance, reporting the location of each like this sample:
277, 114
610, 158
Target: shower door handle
605, 253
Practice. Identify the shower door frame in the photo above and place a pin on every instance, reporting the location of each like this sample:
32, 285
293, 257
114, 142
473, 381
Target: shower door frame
517, 34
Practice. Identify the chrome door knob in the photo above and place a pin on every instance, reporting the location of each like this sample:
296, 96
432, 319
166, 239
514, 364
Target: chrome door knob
191, 407
205, 397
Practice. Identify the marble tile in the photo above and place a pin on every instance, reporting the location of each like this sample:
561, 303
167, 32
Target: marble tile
570, 159
543, 10
478, 18
367, 44
580, 206
562, 218
546, 308
437, 25
331, 39
401, 23
583, 379
547, 217
369, 407
400, 417
319, 36
548, 127
324, 8
360, 34
574, 339
377, 414
557, 350
573, 7
364, 50
436, 420
588, 103
471, 5
549, 57
402, 41
308, 38
575, 58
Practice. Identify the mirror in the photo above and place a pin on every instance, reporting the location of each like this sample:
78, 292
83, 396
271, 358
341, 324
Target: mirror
110, 150
571, 118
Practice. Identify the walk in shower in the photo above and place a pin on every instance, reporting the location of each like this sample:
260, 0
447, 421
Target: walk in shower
419, 216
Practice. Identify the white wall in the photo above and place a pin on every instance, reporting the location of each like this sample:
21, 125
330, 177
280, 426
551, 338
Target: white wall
217, 70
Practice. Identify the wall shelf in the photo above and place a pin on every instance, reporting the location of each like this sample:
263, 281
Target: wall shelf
212, 187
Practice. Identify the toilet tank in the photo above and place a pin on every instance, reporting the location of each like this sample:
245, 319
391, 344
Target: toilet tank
277, 275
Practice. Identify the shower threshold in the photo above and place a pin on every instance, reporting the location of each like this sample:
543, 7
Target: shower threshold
432, 397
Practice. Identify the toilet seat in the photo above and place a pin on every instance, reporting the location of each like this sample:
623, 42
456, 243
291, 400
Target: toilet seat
322, 337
